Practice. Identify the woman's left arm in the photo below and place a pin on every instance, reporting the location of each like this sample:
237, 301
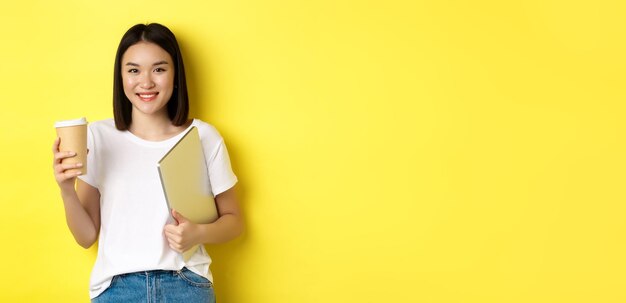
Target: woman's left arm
228, 226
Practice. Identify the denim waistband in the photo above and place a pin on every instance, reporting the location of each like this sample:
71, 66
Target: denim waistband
151, 273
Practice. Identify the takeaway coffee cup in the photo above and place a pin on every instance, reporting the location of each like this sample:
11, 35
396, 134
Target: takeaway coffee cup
73, 134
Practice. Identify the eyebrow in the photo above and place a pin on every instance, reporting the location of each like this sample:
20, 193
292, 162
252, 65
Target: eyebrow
155, 64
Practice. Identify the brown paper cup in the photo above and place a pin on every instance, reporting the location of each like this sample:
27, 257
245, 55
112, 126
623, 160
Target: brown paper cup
73, 134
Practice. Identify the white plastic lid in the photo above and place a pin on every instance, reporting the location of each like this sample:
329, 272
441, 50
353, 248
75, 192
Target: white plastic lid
66, 123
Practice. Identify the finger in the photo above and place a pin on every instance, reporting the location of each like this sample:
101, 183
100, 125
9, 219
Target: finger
61, 168
55, 146
169, 234
180, 247
178, 240
178, 216
172, 229
68, 175
62, 177
66, 166
173, 236
59, 156
175, 246
175, 216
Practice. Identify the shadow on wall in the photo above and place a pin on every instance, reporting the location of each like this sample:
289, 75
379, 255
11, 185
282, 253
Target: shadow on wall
225, 256
195, 80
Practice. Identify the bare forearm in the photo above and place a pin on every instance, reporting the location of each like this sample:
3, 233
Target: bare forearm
83, 226
226, 228
78, 220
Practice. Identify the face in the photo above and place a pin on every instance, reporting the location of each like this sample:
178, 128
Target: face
148, 76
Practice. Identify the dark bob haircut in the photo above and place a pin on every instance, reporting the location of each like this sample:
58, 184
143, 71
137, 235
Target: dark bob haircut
178, 105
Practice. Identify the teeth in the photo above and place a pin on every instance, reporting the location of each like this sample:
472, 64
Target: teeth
147, 96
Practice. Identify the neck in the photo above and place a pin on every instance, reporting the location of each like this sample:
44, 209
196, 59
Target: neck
152, 127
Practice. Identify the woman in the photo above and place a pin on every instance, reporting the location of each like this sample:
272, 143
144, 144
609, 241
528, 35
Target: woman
120, 203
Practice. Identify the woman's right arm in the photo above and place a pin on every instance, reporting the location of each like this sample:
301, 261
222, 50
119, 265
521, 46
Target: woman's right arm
82, 203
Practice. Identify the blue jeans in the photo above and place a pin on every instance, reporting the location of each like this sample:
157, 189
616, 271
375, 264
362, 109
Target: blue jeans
158, 286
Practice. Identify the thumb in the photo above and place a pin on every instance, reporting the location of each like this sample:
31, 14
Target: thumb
178, 217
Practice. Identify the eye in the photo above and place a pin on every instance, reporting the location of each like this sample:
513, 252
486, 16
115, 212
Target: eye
133, 70
159, 70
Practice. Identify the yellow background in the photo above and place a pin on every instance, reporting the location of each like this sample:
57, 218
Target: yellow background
388, 151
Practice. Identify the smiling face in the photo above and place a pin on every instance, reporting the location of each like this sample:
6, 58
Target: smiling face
148, 77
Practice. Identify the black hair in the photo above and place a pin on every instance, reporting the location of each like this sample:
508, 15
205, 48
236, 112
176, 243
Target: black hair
178, 105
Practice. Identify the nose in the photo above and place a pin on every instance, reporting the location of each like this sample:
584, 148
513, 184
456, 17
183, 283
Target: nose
146, 81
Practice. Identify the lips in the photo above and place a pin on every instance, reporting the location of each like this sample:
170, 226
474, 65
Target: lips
147, 97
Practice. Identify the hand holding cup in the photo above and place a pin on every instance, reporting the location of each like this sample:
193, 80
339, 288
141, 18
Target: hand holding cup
70, 150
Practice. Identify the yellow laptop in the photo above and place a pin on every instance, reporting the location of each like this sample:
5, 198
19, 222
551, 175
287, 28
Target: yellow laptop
185, 180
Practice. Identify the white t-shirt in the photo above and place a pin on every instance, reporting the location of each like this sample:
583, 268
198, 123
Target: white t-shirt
133, 209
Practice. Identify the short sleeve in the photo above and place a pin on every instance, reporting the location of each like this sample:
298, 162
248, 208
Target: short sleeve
92, 167
221, 174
